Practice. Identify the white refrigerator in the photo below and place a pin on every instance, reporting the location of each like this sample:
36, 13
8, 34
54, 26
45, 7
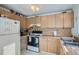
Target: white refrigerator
9, 36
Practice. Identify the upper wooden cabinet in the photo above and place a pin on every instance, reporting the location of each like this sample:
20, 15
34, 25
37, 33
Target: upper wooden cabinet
44, 21
47, 21
37, 20
31, 20
68, 19
59, 20
51, 21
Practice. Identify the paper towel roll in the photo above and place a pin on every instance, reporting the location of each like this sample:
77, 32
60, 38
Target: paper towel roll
55, 33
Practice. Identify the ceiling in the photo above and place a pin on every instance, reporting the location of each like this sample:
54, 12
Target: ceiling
44, 8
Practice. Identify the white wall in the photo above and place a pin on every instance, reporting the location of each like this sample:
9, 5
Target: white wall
75, 30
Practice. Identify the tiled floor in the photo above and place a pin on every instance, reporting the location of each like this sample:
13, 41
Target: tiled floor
24, 52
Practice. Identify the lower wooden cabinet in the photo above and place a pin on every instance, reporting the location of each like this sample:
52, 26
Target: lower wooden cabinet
49, 44
52, 45
23, 42
61, 51
43, 44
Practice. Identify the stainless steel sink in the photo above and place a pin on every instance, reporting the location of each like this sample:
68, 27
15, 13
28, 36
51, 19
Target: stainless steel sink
69, 42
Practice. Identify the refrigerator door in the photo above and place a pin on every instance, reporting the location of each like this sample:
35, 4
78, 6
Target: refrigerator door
9, 26
2, 22
10, 44
15, 26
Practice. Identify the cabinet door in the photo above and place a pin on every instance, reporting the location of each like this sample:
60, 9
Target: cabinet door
51, 21
23, 42
58, 46
59, 20
37, 20
43, 44
52, 45
31, 20
44, 22
68, 20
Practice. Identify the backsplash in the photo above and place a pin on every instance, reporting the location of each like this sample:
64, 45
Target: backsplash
58, 32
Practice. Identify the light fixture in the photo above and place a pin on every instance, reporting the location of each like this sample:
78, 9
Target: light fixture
35, 7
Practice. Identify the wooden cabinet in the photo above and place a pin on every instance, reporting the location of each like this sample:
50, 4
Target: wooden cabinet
49, 44
52, 45
51, 21
68, 19
43, 44
60, 48
37, 20
48, 21
44, 21
59, 20
31, 20
23, 42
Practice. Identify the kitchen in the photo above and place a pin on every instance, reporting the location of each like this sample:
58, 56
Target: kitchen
45, 29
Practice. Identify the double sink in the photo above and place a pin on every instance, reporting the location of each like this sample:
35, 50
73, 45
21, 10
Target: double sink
69, 41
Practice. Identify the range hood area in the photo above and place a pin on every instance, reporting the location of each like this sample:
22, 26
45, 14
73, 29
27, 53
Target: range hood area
31, 25
35, 28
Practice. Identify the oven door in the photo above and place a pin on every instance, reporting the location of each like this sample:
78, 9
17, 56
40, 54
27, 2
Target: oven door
33, 43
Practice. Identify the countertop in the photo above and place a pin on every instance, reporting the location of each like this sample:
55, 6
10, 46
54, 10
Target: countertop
70, 49
51, 35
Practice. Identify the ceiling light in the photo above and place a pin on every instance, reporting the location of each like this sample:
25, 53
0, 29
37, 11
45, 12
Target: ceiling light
35, 8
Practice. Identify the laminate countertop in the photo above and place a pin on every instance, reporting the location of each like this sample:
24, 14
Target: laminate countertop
70, 49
